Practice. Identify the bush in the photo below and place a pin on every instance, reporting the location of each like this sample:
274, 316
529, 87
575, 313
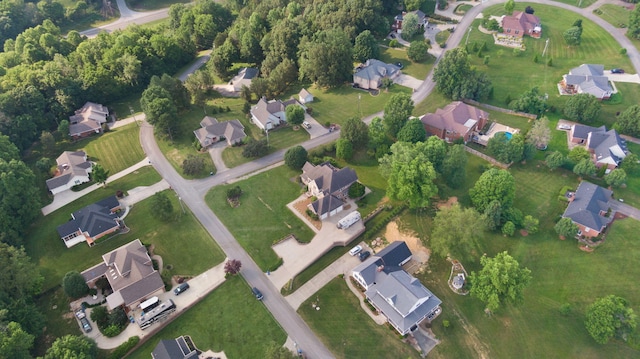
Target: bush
565, 309
508, 229
356, 190
111, 331
623, 51
393, 43
193, 165
74, 285
124, 348
234, 192
255, 148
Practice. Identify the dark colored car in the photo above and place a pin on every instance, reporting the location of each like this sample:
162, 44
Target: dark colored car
257, 293
399, 64
617, 71
85, 325
364, 255
181, 288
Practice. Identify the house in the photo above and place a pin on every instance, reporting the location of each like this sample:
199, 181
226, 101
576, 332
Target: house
91, 223
88, 120
456, 120
243, 78
520, 24
589, 208
587, 78
269, 114
369, 76
212, 131
305, 96
179, 348
400, 297
330, 185
397, 20
73, 169
130, 273
607, 148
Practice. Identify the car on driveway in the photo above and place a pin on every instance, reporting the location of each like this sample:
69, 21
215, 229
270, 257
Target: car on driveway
181, 288
617, 71
364, 255
306, 125
564, 127
85, 325
355, 250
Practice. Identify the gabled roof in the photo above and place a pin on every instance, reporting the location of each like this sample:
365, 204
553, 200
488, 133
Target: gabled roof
520, 20
589, 78
582, 131
263, 109
589, 203
246, 73
70, 164
389, 259
457, 117
607, 147
231, 130
93, 219
88, 118
304, 93
588, 70
395, 254
326, 204
328, 178
375, 70
174, 349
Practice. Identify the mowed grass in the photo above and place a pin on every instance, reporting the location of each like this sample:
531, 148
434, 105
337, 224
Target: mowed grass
417, 70
182, 242
512, 75
347, 330
262, 217
576, 3
117, 149
281, 138
229, 319
616, 15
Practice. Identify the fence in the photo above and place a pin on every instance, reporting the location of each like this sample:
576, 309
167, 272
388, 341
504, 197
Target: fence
492, 160
500, 109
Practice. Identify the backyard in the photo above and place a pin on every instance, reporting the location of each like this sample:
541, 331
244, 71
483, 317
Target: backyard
417, 70
280, 138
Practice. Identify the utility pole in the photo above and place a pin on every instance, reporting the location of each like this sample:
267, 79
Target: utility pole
181, 204
546, 44
468, 33
133, 115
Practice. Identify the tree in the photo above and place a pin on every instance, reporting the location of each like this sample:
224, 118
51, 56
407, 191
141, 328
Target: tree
509, 6
48, 142
71, 347
355, 131
616, 178
454, 167
327, 59
456, 79
255, 148
508, 229
629, 121
178, 93
295, 157
531, 102
410, 25
456, 232
493, 184
573, 36
20, 204
344, 149
502, 149
232, 266
413, 131
634, 23
582, 107
356, 190
63, 128
608, 317
630, 163
566, 228
435, 149
99, 174
555, 159
585, 168
409, 174
294, 114
493, 215
192, 165
578, 154
540, 133
531, 224
366, 47
8, 151
74, 285
162, 205
418, 51
500, 280
397, 112
529, 10
14, 341
159, 108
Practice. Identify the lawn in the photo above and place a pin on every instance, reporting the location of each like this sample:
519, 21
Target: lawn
117, 149
442, 36
149, 5
627, 96
262, 217
417, 70
463, 8
122, 108
281, 138
54, 259
347, 330
230, 319
576, 3
512, 74
616, 15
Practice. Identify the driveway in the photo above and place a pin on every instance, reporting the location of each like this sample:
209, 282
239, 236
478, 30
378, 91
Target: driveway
625, 209
632, 78
424, 341
407, 81
216, 156
316, 129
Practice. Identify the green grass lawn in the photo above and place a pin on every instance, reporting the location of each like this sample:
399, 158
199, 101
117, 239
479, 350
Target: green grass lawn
197, 251
149, 5
347, 330
576, 3
117, 149
628, 95
54, 305
616, 15
463, 8
281, 138
230, 319
417, 70
122, 108
442, 36
512, 75
262, 217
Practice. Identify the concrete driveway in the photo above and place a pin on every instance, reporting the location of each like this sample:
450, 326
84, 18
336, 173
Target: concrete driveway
631, 78
216, 156
316, 129
625, 209
424, 341
407, 81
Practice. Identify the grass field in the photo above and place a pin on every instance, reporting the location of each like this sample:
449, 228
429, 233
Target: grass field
576, 3
347, 330
149, 5
47, 249
417, 70
463, 8
230, 319
262, 217
278, 139
117, 149
616, 15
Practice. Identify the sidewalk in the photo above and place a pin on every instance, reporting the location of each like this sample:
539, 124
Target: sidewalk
63, 198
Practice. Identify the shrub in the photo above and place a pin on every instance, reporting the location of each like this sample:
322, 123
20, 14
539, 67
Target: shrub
124, 348
565, 309
74, 285
234, 192
509, 229
356, 190
393, 43
623, 51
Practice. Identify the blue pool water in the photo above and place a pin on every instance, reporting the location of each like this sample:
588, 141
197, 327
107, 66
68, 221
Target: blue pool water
508, 135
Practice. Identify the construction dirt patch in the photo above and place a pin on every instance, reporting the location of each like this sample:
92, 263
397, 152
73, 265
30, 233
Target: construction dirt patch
421, 253
447, 204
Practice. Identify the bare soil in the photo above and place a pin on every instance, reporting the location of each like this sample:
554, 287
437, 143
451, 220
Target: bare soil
421, 253
447, 204
301, 207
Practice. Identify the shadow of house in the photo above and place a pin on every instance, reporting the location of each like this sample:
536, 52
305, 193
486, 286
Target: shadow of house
212, 132
91, 223
330, 185
88, 120
589, 209
456, 120
73, 169
130, 273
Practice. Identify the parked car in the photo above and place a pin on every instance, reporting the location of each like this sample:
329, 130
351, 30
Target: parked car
399, 64
617, 71
355, 250
564, 127
181, 288
257, 293
364, 255
80, 314
85, 325
306, 125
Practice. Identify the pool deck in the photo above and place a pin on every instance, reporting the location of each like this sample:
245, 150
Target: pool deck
495, 128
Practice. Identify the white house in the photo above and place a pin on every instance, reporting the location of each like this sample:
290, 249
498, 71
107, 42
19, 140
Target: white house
270, 114
73, 169
305, 96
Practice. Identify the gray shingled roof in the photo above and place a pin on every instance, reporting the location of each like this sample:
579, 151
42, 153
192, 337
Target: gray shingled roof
589, 203
70, 164
590, 79
94, 219
608, 146
375, 69
328, 178
231, 130
326, 204
173, 349
582, 131
395, 254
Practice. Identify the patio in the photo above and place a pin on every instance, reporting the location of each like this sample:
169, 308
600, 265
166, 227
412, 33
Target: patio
493, 130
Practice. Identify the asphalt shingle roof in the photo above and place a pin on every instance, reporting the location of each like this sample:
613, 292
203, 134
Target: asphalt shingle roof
588, 206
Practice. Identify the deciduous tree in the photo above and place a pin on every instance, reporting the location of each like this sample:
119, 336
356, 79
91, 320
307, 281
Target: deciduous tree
608, 317
494, 184
509, 6
410, 25
327, 59
162, 206
355, 131
413, 131
99, 174
456, 79
566, 228
397, 112
232, 266
530, 102
634, 23
573, 36
585, 168
582, 107
14, 341
20, 204
630, 164
540, 133
255, 148
578, 154
74, 285
344, 149
366, 47
72, 346
500, 280
454, 167
418, 51
616, 178
629, 121
192, 165
531, 224
295, 157
294, 114
456, 232
356, 190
